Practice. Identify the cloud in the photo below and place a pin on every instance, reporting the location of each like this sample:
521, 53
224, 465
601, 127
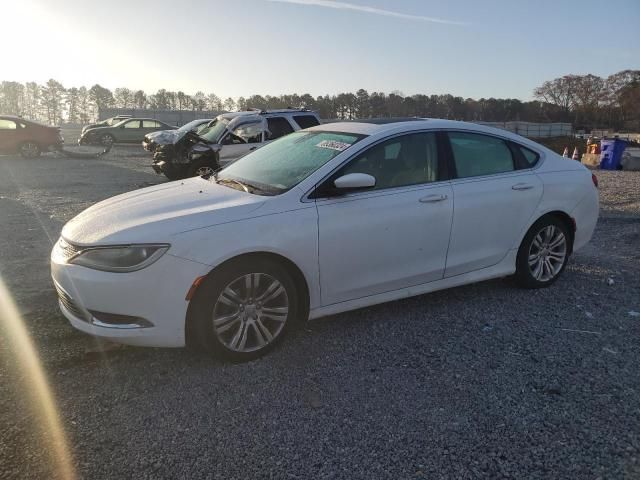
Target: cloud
375, 11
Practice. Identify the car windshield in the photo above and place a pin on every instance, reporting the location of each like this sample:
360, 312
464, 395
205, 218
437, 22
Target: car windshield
190, 126
213, 132
282, 164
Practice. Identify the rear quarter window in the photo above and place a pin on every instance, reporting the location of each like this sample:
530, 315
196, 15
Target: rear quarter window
306, 121
530, 157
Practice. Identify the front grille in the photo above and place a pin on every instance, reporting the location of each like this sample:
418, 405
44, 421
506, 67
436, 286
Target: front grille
70, 305
65, 250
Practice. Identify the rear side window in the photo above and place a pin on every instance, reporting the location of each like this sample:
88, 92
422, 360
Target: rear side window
475, 155
150, 124
306, 121
278, 127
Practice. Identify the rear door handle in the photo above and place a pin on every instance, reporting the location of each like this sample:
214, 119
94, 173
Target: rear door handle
522, 186
433, 198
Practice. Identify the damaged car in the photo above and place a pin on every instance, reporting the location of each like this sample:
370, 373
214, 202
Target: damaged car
169, 137
227, 138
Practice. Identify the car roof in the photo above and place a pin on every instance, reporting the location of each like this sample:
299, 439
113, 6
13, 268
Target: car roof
387, 126
24, 120
143, 118
282, 112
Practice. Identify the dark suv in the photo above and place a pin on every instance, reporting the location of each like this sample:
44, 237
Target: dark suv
27, 138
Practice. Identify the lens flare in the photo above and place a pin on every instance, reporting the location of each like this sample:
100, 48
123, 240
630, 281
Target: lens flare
35, 384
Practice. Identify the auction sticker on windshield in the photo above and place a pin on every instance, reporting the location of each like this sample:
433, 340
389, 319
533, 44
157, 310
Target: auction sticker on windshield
334, 145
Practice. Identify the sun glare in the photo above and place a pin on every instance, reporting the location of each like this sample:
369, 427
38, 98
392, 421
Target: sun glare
42, 402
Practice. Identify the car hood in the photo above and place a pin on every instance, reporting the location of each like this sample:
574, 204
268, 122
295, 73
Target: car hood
156, 214
164, 137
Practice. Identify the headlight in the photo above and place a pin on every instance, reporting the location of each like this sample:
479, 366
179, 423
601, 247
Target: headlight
125, 258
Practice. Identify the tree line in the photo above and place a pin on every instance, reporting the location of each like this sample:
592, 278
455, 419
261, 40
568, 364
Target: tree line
587, 101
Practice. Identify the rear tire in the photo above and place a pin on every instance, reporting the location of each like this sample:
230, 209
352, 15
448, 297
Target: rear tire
543, 253
30, 150
244, 309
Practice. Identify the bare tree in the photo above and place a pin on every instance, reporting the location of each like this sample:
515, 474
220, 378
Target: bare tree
72, 101
51, 101
229, 104
560, 91
140, 99
123, 97
101, 98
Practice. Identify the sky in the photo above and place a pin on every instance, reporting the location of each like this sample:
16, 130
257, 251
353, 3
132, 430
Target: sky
470, 48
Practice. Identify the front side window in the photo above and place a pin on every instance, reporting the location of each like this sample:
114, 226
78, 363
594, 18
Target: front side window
402, 161
7, 124
278, 127
132, 124
476, 154
282, 164
248, 133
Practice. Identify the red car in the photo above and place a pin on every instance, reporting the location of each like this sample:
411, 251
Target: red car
27, 138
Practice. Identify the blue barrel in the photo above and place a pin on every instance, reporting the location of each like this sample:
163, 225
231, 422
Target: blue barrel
611, 154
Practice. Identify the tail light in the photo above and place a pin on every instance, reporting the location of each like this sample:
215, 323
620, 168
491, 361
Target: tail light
594, 179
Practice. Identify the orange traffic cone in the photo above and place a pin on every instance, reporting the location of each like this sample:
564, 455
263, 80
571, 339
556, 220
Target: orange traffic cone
575, 155
566, 152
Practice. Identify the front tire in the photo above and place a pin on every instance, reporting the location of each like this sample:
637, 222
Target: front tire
245, 308
543, 254
204, 167
107, 140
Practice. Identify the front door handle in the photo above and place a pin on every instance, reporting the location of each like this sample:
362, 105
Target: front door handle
433, 198
522, 186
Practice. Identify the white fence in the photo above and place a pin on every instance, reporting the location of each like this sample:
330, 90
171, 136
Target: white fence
534, 130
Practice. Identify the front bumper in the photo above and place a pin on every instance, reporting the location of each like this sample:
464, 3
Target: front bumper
153, 298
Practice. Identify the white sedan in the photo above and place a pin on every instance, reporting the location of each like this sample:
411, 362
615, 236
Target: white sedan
324, 220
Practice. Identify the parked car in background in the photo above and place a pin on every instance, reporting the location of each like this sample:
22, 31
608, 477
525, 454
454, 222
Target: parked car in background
325, 220
109, 122
227, 138
26, 137
169, 137
131, 130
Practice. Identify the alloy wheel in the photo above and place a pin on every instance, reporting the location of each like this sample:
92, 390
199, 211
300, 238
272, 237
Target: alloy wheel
106, 140
547, 253
200, 171
251, 312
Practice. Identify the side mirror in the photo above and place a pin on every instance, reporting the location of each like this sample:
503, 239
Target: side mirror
354, 181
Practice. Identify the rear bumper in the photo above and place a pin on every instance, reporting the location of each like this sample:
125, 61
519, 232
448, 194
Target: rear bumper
585, 215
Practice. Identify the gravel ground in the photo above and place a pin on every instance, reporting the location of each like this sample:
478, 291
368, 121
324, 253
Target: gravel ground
483, 381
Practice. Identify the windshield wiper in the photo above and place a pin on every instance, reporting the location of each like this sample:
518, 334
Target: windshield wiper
231, 180
246, 186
